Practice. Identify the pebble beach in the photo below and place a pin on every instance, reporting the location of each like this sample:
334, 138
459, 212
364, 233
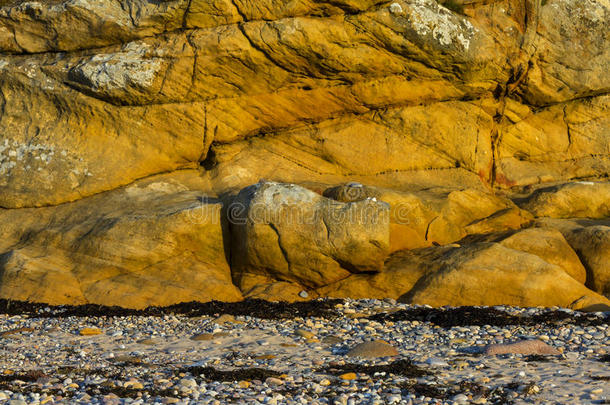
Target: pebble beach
353, 352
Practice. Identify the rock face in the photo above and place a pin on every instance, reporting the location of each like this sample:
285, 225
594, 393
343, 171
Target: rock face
289, 233
459, 123
152, 243
362, 89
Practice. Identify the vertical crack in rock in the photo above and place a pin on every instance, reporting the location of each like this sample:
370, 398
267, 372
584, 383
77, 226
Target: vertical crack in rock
241, 14
189, 40
528, 44
185, 15
532, 17
204, 153
127, 7
279, 243
2, 100
428, 227
326, 227
568, 132
496, 132
517, 77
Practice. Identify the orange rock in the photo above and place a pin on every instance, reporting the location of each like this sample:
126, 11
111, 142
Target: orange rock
90, 332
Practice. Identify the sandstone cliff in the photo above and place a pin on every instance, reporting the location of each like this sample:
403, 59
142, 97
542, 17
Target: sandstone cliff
128, 128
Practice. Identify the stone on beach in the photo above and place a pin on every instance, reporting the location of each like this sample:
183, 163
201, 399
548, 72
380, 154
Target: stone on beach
89, 331
375, 348
525, 347
203, 337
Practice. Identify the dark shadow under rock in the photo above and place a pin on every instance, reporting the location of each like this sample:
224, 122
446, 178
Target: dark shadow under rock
537, 358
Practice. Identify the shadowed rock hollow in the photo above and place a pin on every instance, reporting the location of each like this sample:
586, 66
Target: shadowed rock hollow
131, 131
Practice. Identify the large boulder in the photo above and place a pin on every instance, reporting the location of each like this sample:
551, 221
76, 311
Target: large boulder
532, 267
290, 233
590, 239
492, 274
592, 243
153, 243
547, 243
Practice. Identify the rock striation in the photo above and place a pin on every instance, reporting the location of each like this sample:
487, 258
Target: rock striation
476, 137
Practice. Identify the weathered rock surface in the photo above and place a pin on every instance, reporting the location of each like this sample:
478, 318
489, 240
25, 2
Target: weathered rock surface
152, 243
584, 199
290, 233
419, 218
446, 116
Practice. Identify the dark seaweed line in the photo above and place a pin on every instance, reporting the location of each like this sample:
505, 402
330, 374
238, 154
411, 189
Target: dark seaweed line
251, 307
322, 308
480, 316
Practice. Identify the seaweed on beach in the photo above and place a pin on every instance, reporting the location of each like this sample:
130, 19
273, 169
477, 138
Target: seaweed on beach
605, 358
133, 393
403, 367
239, 374
28, 376
250, 307
424, 389
480, 316
537, 358
497, 395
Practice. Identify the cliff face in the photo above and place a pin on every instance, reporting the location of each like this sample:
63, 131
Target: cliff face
216, 95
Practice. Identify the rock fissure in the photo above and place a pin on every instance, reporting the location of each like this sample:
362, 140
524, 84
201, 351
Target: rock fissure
238, 9
185, 15
280, 246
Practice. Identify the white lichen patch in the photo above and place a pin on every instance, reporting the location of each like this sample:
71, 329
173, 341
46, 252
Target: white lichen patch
3, 64
158, 187
131, 67
30, 7
32, 157
429, 19
395, 8
108, 10
593, 11
32, 70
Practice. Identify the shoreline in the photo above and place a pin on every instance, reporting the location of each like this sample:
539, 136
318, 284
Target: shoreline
171, 358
